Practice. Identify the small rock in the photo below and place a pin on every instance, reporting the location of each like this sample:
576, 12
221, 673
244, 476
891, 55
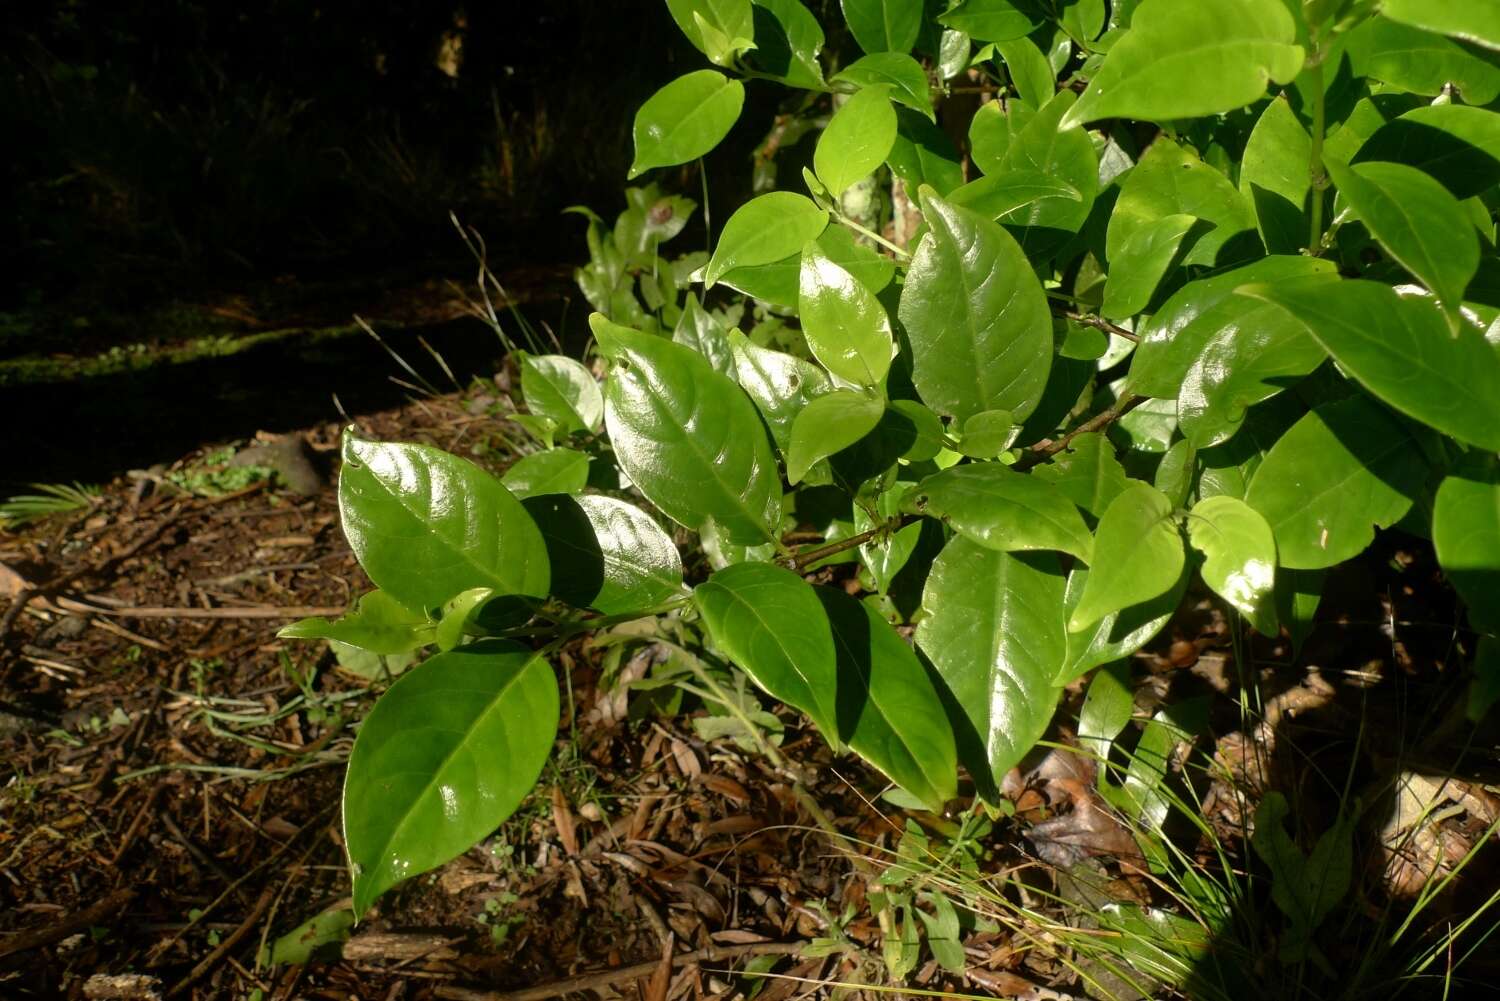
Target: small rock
289, 458
122, 987
69, 627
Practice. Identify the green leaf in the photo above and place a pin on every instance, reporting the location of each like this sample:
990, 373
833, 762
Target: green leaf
788, 39
1341, 471
312, 937
857, 140
885, 558
1274, 177
1087, 473
1253, 354
1119, 634
923, 154
1190, 58
1003, 510
991, 629
1174, 338
697, 329
765, 230
1171, 180
987, 434
1470, 20
1141, 262
1108, 706
884, 25
688, 437
845, 325
988, 20
889, 711
1298, 594
992, 130
1305, 888
444, 757
562, 390
456, 612
558, 471
1040, 145
1416, 220
780, 384
997, 195
717, 28
904, 77
1484, 687
1175, 472
685, 119
778, 282
1029, 70
426, 525
980, 329
1084, 20
1420, 61
378, 623
1240, 557
1454, 143
770, 622
606, 554
1138, 555
827, 425
1401, 349
1466, 532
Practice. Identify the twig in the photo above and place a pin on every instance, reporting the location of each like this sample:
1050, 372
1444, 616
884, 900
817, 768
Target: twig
158, 612
803, 560
262, 904
1098, 323
594, 981
1044, 450
93, 914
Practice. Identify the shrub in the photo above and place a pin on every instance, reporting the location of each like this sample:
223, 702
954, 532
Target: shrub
1209, 301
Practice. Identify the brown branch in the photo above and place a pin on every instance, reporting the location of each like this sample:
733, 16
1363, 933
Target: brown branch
803, 560
1097, 322
96, 913
606, 978
1045, 449
262, 904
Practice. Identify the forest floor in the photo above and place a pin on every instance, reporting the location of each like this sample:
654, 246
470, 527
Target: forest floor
169, 797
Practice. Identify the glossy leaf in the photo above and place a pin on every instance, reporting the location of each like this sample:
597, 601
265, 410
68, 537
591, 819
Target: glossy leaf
886, 557
1239, 557
1274, 177
770, 622
1003, 510
827, 425
779, 282
423, 783
883, 25
991, 629
562, 390
857, 140
1466, 532
557, 471
1108, 706
765, 230
1174, 338
1457, 145
923, 154
979, 325
996, 196
781, 385
889, 712
607, 554
1421, 61
377, 623
1342, 470
987, 434
903, 76
685, 119
1401, 350
1041, 145
688, 437
1416, 220
454, 619
1171, 180
1029, 70
717, 28
426, 525
846, 327
988, 20
698, 329
1475, 21
1140, 263
1138, 555
1087, 473
788, 39
1188, 58
1119, 634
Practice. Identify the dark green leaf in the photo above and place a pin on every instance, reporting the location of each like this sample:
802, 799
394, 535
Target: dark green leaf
980, 329
845, 325
788, 39
1002, 509
1454, 143
685, 119
1342, 470
1401, 349
702, 332
903, 75
444, 757
991, 629
1466, 532
1107, 708
377, 623
923, 154
1421, 62
426, 525
857, 140
827, 425
1240, 557
988, 20
607, 554
1087, 473
1174, 474
889, 712
769, 622
1171, 180
688, 437
1274, 177
558, 471
765, 230
884, 25
1138, 555
1470, 20
1189, 59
